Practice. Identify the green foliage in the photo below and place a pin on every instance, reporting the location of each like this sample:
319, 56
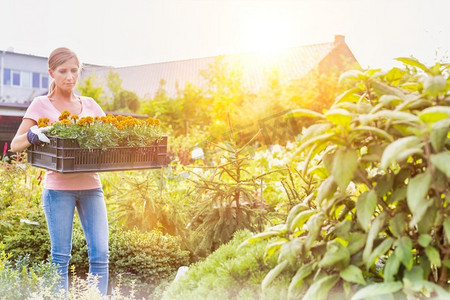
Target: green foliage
228, 274
148, 258
379, 218
20, 192
142, 259
20, 279
91, 86
126, 100
30, 240
108, 131
227, 200
147, 200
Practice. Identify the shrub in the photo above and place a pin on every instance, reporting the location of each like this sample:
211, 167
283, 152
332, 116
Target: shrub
148, 259
229, 274
378, 225
20, 278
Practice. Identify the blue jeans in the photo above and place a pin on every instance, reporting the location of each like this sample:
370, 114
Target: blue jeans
59, 207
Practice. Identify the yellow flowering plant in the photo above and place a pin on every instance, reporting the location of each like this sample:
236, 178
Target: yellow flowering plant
106, 131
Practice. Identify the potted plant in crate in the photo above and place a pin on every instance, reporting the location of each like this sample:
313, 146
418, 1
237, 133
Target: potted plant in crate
107, 143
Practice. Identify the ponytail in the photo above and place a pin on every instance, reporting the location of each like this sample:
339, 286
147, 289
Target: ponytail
52, 88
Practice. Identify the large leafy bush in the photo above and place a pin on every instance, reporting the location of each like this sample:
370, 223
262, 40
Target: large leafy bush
379, 224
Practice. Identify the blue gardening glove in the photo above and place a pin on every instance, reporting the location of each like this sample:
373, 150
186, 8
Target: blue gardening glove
36, 135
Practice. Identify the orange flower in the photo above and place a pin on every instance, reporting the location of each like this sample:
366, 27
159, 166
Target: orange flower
82, 122
157, 122
64, 115
43, 122
65, 122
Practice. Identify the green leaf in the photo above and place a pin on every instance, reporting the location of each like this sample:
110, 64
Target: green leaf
270, 277
365, 207
336, 253
398, 225
409, 152
339, 116
434, 114
447, 228
396, 115
388, 99
303, 272
377, 224
442, 293
301, 112
424, 239
261, 236
410, 277
314, 225
352, 75
382, 88
442, 162
353, 274
272, 248
291, 250
416, 193
395, 74
350, 96
320, 288
434, 85
438, 134
326, 190
391, 268
378, 289
293, 213
404, 252
356, 243
318, 139
433, 255
413, 63
379, 250
344, 166
394, 149
375, 130
300, 219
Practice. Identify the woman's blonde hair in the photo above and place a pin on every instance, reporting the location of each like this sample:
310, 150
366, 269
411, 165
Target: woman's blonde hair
57, 58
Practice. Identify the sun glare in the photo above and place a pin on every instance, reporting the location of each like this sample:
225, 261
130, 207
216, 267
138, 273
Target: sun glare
267, 33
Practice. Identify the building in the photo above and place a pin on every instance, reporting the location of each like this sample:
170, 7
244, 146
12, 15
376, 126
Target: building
24, 77
291, 63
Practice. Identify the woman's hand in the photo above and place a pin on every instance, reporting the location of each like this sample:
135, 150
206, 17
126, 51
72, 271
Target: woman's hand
36, 136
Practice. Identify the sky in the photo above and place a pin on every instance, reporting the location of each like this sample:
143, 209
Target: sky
134, 32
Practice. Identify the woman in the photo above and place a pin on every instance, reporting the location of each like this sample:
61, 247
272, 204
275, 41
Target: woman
65, 192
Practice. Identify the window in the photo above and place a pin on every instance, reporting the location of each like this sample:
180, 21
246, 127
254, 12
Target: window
36, 80
44, 82
25, 79
15, 78
6, 76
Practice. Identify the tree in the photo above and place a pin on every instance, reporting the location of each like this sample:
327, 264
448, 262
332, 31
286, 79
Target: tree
91, 87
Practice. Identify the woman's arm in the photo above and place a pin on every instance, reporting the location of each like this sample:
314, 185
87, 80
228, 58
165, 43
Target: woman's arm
20, 141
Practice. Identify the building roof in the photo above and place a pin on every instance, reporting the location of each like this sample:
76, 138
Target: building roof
291, 63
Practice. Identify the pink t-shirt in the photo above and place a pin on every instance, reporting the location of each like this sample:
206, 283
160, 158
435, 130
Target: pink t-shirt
42, 107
